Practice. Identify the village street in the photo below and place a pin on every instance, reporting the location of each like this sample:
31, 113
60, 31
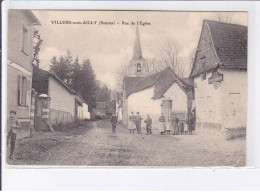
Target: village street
95, 145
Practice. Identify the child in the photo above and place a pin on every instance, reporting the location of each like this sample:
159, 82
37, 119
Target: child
168, 127
13, 125
186, 128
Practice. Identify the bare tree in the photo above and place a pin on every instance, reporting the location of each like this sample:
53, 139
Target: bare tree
169, 57
121, 74
224, 19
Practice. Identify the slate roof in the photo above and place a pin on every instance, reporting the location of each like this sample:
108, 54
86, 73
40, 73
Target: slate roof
230, 44
161, 81
40, 82
40, 75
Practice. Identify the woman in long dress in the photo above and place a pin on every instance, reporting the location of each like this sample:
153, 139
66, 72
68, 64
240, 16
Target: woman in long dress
131, 123
162, 124
176, 125
170, 125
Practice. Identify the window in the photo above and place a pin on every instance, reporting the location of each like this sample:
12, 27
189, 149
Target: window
138, 67
23, 91
25, 47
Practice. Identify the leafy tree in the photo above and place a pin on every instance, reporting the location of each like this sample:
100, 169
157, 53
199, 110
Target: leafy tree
80, 77
59, 68
103, 93
88, 81
76, 75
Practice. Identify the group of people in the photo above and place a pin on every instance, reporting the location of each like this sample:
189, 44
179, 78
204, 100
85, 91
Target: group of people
135, 123
176, 126
173, 124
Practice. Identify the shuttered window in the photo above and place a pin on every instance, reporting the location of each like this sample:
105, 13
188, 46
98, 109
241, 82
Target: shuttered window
24, 92
25, 44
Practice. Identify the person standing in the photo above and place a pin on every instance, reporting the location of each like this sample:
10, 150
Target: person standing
169, 124
13, 126
191, 123
131, 124
181, 127
176, 125
114, 122
138, 120
162, 124
148, 122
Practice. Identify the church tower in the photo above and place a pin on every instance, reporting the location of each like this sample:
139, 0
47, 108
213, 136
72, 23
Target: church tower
138, 65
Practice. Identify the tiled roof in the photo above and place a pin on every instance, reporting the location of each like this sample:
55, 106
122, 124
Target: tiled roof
161, 81
230, 45
40, 82
230, 42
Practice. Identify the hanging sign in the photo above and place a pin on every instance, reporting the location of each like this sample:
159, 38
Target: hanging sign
215, 77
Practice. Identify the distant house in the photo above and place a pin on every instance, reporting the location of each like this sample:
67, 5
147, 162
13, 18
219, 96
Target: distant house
65, 105
220, 76
162, 92
19, 65
111, 108
100, 109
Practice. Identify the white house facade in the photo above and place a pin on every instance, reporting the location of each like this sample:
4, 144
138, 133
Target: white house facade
220, 76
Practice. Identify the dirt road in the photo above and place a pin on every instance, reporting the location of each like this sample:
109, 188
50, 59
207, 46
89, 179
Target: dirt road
96, 145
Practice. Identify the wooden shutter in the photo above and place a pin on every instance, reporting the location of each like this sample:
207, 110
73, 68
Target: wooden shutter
28, 96
19, 95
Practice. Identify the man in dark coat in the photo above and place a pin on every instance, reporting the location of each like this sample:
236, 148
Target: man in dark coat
191, 123
148, 122
138, 120
114, 122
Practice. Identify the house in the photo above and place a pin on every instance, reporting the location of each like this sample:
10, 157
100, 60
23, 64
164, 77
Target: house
162, 92
85, 112
81, 108
100, 109
111, 108
149, 91
19, 66
220, 76
65, 105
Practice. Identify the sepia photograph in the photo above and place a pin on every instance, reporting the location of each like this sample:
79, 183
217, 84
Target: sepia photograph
126, 88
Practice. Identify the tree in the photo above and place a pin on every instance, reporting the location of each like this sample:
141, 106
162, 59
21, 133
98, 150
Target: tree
36, 47
224, 19
103, 93
88, 83
169, 57
76, 75
121, 74
58, 67
68, 59
63, 67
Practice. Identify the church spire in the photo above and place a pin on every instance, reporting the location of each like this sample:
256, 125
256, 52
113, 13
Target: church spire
137, 52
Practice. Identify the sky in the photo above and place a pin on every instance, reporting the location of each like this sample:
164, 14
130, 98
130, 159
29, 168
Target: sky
109, 47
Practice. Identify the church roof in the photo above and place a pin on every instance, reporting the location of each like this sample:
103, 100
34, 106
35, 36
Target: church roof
137, 52
230, 45
161, 81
